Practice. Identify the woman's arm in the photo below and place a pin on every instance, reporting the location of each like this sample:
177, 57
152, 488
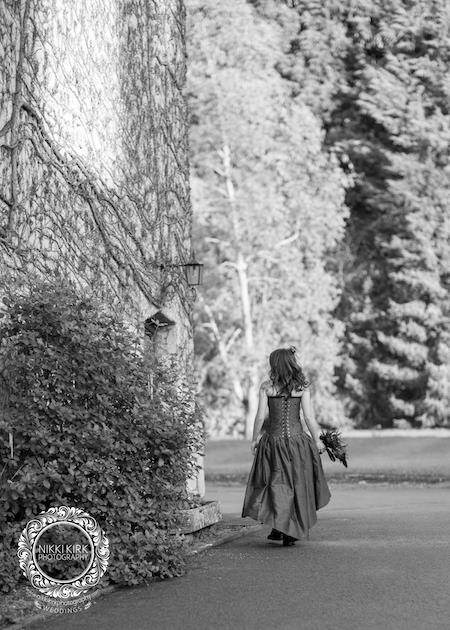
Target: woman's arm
310, 419
260, 415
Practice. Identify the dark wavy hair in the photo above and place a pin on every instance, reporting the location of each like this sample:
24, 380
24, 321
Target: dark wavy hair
285, 373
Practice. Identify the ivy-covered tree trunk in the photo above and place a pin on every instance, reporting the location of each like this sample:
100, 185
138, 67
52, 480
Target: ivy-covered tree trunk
93, 153
155, 142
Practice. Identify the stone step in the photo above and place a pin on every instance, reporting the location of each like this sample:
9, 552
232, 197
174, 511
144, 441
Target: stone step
202, 516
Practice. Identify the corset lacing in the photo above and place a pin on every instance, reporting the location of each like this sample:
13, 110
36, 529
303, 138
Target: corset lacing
286, 431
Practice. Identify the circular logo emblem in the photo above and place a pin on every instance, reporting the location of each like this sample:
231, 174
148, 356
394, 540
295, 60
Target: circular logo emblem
63, 552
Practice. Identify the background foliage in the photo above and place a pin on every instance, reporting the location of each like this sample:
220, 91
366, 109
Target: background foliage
269, 206
93, 425
313, 98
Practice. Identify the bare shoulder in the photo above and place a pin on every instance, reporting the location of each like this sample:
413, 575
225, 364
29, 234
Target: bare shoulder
304, 390
265, 386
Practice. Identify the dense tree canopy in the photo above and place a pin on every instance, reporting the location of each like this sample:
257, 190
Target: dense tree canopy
372, 76
269, 205
376, 73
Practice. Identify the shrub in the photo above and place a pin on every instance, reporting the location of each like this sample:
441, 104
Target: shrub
87, 433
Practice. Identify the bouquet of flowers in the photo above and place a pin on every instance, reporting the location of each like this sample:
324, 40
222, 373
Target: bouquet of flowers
334, 445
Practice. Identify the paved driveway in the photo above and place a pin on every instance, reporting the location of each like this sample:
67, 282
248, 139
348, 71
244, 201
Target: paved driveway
378, 558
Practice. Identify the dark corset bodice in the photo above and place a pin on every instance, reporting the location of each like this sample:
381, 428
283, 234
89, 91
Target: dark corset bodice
284, 416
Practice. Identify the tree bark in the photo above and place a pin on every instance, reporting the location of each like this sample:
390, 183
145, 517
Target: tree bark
94, 173
251, 386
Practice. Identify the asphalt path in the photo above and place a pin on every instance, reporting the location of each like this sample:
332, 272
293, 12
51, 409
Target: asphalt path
378, 558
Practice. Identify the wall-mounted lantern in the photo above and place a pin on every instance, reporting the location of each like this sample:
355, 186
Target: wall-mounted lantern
193, 271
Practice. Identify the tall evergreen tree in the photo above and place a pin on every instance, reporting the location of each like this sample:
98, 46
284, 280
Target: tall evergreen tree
376, 72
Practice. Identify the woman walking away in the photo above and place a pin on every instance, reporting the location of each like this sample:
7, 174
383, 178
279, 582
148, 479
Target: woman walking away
286, 484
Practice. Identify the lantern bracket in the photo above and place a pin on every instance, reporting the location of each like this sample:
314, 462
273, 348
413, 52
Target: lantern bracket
193, 271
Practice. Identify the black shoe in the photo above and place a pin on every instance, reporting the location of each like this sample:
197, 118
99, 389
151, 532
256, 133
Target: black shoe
288, 540
275, 535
